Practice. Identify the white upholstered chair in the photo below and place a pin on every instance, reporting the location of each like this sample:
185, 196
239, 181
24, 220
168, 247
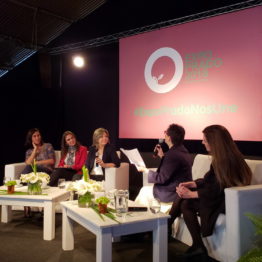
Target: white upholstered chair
234, 232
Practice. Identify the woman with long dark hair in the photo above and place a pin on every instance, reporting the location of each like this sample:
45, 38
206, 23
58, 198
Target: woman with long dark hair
73, 157
42, 153
205, 197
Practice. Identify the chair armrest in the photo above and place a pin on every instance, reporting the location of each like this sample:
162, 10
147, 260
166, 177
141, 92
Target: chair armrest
13, 171
240, 232
117, 177
145, 178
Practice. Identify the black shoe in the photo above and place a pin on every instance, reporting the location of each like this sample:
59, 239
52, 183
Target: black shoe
195, 251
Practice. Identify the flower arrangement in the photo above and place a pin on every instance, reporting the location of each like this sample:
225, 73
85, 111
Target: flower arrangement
34, 180
35, 177
85, 189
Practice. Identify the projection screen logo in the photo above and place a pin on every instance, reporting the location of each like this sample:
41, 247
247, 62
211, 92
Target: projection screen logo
152, 81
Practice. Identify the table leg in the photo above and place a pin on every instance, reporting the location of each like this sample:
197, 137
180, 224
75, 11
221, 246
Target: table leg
160, 241
49, 220
104, 246
67, 232
6, 214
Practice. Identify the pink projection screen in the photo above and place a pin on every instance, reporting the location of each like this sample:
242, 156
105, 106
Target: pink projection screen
195, 74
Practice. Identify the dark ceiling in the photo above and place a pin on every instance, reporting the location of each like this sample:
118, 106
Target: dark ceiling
27, 26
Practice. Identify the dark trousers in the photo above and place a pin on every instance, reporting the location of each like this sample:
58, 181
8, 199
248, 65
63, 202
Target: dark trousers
66, 173
28, 169
190, 209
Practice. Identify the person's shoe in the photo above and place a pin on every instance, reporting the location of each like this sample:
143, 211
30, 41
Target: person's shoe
193, 251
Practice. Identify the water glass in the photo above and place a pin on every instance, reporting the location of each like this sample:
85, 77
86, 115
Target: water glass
121, 202
111, 196
154, 205
61, 183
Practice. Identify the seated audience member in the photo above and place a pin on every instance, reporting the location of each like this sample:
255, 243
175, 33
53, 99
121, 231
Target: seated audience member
73, 157
205, 197
101, 155
42, 153
175, 166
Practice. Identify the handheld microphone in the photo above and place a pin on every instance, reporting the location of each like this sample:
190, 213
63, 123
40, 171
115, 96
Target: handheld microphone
160, 141
97, 157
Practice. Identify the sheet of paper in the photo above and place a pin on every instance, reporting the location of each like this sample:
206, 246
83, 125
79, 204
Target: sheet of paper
134, 157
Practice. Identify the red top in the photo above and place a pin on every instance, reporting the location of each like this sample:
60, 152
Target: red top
80, 159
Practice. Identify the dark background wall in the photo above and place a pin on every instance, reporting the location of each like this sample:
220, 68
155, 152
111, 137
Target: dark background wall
47, 92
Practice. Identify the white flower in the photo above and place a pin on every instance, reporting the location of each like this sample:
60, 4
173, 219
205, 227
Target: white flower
82, 187
35, 177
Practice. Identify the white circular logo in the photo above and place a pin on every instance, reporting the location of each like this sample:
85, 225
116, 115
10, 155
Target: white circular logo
152, 81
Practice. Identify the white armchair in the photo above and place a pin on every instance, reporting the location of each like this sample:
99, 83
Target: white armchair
233, 233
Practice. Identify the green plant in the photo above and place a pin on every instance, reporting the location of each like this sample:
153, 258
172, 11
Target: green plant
10, 183
255, 254
102, 200
85, 173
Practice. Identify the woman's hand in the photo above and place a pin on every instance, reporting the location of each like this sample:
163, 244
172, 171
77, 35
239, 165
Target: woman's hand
184, 192
190, 184
100, 162
142, 169
159, 150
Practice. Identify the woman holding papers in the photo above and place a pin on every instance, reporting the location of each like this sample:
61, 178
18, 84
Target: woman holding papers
205, 197
101, 155
73, 157
174, 168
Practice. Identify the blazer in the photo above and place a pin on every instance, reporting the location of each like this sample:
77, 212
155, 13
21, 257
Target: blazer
109, 156
211, 201
175, 167
80, 159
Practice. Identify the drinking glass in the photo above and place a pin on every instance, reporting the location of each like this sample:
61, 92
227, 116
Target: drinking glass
61, 183
111, 195
154, 205
121, 202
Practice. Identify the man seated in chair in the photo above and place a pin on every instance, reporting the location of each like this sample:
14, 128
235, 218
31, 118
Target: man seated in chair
175, 166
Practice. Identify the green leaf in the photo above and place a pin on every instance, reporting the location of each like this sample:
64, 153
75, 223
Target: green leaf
85, 173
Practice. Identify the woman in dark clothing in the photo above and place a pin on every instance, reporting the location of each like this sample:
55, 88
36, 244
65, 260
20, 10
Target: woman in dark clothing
101, 155
205, 197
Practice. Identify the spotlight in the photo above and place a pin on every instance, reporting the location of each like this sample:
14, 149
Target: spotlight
78, 61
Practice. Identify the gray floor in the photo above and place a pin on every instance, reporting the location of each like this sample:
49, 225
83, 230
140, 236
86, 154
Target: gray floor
22, 241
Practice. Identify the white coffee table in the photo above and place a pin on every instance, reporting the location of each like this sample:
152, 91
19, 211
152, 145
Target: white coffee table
48, 202
106, 230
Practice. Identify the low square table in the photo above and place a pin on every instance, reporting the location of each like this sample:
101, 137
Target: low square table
105, 231
48, 202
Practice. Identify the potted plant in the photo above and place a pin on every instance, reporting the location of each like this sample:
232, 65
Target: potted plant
10, 186
102, 204
255, 254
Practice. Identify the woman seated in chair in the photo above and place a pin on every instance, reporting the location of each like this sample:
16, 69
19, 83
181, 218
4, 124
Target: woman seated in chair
42, 153
205, 197
73, 157
101, 155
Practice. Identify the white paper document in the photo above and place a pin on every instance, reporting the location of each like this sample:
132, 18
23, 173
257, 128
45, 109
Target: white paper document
134, 157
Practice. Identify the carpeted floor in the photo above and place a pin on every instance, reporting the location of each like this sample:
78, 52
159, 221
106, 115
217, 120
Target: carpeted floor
22, 241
